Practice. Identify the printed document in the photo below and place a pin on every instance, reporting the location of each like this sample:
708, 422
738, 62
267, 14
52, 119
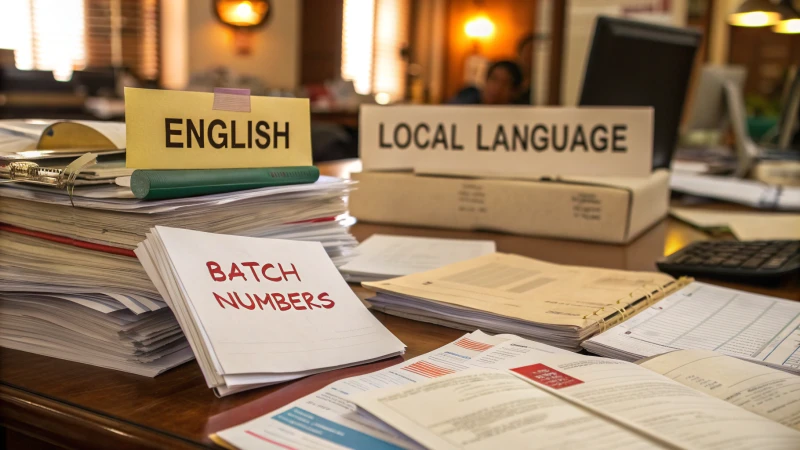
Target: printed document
525, 288
552, 303
568, 401
382, 256
327, 420
758, 389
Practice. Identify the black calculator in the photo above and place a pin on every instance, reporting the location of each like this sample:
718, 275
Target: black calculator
747, 261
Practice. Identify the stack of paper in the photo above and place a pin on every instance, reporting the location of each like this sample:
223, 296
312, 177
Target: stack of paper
746, 192
94, 329
88, 306
381, 256
50, 249
312, 212
551, 303
579, 401
261, 311
502, 391
757, 328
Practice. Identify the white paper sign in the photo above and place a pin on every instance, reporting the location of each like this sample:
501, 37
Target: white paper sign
273, 306
508, 141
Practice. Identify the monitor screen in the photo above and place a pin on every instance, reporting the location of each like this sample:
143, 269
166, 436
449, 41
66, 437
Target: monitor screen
640, 64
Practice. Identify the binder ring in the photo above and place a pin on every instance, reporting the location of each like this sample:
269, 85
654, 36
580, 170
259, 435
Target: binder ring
603, 325
620, 309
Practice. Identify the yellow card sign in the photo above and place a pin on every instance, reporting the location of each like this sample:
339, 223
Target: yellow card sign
200, 130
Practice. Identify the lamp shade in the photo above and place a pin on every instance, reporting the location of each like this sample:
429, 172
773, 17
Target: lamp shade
790, 19
242, 13
755, 13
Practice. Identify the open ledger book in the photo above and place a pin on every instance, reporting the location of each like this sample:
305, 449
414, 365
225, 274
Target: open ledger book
703, 400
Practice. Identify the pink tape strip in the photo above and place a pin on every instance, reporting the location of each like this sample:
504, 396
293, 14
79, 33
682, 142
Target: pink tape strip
229, 99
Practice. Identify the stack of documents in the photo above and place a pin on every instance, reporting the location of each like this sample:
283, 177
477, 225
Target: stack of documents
51, 249
311, 212
140, 338
84, 305
261, 311
381, 256
757, 328
578, 401
746, 192
503, 391
326, 419
551, 303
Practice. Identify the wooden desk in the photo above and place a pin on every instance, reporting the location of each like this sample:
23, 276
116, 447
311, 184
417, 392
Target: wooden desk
82, 406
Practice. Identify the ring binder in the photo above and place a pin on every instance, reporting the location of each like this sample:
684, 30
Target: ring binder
637, 304
30, 172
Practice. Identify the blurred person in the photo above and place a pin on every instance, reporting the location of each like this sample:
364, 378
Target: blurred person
525, 61
503, 82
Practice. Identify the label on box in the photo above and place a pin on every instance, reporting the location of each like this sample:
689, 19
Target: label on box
507, 141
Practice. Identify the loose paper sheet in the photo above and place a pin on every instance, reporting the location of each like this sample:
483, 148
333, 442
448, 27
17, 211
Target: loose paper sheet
382, 256
747, 226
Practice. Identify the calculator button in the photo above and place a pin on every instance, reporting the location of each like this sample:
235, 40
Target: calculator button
774, 263
731, 263
753, 263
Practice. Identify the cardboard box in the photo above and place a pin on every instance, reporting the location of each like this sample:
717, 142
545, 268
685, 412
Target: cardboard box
583, 208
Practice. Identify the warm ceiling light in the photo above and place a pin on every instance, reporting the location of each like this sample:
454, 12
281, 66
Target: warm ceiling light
790, 19
755, 13
479, 28
791, 26
242, 13
243, 16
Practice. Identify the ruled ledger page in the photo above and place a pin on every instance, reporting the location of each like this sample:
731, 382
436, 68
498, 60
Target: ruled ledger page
702, 316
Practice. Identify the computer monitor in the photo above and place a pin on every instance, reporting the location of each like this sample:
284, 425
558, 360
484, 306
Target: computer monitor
790, 116
709, 108
641, 64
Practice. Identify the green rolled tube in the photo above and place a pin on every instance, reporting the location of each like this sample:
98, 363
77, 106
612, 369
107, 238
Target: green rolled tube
165, 184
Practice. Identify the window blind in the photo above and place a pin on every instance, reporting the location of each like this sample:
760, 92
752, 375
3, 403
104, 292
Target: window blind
67, 35
374, 33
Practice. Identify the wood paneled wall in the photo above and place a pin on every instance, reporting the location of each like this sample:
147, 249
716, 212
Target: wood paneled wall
321, 40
